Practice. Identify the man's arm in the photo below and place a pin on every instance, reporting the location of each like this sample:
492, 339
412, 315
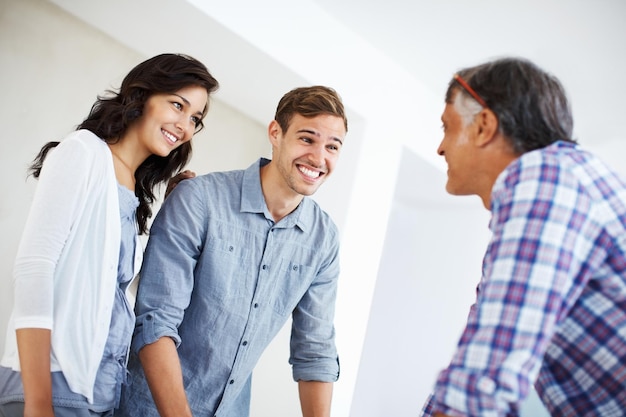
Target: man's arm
314, 360
165, 378
315, 398
164, 293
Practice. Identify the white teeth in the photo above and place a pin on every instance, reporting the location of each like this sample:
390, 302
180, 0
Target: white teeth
170, 136
309, 173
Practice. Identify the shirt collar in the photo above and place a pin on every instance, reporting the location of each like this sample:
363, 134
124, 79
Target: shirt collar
252, 200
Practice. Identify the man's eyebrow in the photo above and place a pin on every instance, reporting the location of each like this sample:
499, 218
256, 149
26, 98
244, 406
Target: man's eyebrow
314, 133
338, 140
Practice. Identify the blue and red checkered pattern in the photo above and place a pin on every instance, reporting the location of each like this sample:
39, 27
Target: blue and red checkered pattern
551, 303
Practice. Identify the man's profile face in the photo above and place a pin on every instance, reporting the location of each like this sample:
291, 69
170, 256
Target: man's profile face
458, 150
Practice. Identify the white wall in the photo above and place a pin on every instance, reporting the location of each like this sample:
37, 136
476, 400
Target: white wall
427, 279
430, 266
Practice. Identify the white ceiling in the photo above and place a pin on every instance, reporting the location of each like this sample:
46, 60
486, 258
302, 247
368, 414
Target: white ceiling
582, 42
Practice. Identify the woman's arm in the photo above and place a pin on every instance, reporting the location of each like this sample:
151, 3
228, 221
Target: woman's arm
34, 351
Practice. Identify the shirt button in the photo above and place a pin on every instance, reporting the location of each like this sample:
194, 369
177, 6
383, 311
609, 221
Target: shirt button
244, 343
232, 381
256, 305
230, 248
264, 266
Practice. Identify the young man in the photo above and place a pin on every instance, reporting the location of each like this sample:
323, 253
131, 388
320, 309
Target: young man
231, 256
551, 304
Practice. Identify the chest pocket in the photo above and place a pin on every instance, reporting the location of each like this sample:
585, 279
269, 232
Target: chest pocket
223, 275
292, 281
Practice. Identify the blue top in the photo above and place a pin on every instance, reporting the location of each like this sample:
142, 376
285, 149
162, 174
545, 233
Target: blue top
112, 371
221, 278
551, 303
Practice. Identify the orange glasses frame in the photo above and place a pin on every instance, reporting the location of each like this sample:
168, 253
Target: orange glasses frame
470, 90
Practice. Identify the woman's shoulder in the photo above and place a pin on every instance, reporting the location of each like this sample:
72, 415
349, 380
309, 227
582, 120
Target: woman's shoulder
83, 148
83, 142
85, 138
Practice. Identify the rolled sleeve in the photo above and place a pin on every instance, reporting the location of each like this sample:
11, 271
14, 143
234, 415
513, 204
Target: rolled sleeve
313, 352
326, 370
146, 332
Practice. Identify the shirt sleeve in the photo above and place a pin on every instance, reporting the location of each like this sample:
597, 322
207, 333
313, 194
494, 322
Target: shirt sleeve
534, 266
313, 352
166, 280
61, 190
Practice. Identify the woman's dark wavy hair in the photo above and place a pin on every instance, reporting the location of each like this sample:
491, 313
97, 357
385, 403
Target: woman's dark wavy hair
531, 105
112, 114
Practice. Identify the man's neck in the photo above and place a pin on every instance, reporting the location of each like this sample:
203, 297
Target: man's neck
279, 198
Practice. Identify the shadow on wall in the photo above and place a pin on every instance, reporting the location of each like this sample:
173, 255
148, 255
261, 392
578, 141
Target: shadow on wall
430, 266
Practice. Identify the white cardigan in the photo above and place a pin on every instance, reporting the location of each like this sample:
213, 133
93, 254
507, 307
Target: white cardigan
65, 273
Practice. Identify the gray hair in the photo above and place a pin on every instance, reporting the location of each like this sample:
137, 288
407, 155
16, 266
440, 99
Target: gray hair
467, 107
531, 105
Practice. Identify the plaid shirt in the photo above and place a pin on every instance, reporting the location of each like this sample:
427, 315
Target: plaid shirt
551, 304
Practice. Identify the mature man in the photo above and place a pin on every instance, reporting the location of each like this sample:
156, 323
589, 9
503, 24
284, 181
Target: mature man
231, 256
551, 304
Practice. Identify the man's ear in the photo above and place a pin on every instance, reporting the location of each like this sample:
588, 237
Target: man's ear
487, 127
274, 132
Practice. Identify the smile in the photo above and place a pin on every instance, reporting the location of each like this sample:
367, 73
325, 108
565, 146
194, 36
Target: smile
169, 136
309, 173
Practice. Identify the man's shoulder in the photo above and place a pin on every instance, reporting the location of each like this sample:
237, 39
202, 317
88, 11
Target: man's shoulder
320, 218
537, 164
222, 174
218, 179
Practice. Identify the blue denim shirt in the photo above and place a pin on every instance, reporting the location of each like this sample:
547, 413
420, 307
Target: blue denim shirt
221, 278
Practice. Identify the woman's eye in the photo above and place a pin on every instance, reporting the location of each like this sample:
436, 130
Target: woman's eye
195, 120
177, 105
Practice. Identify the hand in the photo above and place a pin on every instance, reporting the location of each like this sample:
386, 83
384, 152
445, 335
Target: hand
173, 182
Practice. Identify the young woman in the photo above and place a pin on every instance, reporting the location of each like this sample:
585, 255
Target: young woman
71, 326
